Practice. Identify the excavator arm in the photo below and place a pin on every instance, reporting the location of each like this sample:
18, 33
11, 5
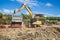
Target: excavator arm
29, 10
17, 10
24, 6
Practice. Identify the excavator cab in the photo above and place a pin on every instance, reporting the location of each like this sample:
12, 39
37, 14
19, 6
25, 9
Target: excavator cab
32, 20
35, 22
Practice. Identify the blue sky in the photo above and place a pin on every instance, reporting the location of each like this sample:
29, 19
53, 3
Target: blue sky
46, 7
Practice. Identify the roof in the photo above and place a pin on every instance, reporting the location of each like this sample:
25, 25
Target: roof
41, 15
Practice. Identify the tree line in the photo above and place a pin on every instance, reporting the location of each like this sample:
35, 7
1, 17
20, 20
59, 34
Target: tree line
6, 19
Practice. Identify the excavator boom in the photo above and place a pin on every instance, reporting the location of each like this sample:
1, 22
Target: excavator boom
28, 9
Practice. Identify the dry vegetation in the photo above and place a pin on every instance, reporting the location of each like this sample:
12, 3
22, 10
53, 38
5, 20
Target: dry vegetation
48, 33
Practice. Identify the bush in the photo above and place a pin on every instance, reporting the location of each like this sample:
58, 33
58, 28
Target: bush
53, 22
4, 37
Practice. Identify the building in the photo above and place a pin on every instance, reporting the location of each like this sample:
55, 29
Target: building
40, 15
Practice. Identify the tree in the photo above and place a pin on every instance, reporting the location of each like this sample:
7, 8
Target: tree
1, 15
25, 16
8, 19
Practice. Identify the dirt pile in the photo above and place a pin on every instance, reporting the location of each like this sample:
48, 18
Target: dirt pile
29, 34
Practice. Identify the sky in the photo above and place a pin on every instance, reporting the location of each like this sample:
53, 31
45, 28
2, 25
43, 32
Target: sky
46, 7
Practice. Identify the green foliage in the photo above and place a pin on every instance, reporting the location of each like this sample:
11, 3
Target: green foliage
2, 37
1, 15
53, 22
25, 16
42, 18
8, 19
54, 18
50, 18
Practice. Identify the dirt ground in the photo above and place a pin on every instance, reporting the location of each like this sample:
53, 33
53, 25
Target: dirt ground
39, 33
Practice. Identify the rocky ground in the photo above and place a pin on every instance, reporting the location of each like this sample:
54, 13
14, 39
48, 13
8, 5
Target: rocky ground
49, 33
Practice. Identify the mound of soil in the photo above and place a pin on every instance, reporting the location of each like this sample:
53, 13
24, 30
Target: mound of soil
48, 33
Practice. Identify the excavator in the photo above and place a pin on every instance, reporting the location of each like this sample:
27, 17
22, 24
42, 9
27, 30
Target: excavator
33, 20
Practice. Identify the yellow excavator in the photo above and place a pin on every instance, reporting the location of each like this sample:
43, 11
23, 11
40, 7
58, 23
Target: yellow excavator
33, 20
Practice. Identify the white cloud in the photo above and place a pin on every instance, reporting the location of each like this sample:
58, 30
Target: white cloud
27, 12
29, 2
58, 15
44, 13
48, 4
37, 12
7, 11
33, 3
0, 10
